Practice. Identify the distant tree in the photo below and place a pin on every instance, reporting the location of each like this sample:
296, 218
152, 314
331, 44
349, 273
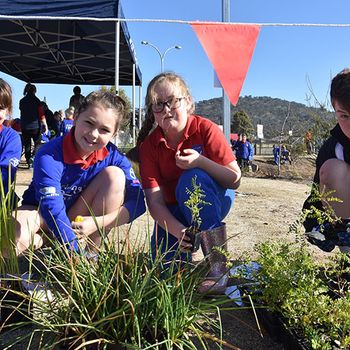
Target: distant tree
320, 129
242, 123
127, 122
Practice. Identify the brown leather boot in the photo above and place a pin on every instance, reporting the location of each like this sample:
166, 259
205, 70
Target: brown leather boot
216, 280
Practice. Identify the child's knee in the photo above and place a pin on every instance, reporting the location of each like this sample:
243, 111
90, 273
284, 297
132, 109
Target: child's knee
113, 175
334, 170
187, 177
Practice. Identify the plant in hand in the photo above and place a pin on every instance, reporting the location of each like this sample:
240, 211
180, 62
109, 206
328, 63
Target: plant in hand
195, 203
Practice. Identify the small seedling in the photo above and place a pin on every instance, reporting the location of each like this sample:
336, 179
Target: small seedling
195, 204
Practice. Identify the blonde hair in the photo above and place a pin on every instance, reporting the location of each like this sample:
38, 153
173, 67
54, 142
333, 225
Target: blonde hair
151, 98
70, 111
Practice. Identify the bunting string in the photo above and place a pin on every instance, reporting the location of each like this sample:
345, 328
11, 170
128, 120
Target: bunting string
174, 21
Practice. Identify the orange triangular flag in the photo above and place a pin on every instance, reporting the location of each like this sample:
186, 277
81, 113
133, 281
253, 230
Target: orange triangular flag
230, 48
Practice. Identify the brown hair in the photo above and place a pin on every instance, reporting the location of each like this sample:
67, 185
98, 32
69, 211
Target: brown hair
5, 96
340, 89
151, 97
106, 100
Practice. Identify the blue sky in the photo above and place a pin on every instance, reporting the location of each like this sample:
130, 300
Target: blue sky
283, 59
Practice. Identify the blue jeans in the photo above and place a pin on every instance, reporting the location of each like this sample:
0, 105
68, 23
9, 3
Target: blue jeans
212, 215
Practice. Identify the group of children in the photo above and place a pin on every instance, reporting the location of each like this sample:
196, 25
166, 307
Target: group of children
82, 172
37, 124
244, 151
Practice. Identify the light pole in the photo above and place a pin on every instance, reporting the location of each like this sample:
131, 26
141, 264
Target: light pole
161, 55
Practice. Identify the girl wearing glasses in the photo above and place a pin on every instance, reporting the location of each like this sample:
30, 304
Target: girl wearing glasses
174, 147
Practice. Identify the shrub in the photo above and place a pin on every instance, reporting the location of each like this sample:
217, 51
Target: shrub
124, 298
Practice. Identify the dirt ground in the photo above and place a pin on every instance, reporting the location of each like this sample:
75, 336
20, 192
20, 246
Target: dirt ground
266, 203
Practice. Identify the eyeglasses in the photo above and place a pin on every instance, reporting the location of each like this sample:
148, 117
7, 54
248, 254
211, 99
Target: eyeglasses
172, 103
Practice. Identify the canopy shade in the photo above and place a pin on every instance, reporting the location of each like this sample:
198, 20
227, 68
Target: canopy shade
67, 51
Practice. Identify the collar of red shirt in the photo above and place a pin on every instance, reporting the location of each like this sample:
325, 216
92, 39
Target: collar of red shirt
0, 127
71, 155
190, 128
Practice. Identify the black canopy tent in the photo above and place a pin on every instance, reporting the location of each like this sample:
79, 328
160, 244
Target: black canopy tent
37, 49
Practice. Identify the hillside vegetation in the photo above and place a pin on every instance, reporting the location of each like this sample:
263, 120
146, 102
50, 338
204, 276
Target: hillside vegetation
271, 112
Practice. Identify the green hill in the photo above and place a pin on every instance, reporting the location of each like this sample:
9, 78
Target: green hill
271, 112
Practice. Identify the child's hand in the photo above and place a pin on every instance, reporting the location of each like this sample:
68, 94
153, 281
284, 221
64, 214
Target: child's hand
84, 226
184, 242
188, 160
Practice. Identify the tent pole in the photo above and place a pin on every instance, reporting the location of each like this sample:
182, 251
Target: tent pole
117, 44
226, 122
140, 107
133, 105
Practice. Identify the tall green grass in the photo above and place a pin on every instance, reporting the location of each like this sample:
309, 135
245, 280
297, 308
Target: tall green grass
124, 298
8, 258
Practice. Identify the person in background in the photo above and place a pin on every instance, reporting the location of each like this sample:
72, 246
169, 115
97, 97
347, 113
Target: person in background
68, 121
309, 142
239, 139
333, 174
48, 116
285, 155
276, 154
56, 125
10, 141
33, 122
79, 172
244, 152
76, 100
175, 147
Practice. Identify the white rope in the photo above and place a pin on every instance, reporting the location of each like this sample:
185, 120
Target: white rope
174, 21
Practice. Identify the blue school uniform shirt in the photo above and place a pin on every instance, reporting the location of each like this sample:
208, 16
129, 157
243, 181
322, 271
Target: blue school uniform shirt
60, 176
10, 154
66, 126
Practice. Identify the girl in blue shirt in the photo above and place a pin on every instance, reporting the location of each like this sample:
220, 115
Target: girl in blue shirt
80, 171
10, 142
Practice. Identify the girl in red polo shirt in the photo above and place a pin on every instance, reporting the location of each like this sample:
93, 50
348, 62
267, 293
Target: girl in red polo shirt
79, 172
175, 146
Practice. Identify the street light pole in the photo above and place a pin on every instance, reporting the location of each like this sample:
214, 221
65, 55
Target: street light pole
161, 55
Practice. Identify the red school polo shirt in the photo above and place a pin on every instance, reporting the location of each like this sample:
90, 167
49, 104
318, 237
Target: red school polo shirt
71, 155
157, 158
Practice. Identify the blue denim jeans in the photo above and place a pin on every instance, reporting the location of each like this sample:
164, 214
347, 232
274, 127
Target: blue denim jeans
212, 215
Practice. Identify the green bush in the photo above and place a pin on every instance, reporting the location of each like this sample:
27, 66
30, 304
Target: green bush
311, 297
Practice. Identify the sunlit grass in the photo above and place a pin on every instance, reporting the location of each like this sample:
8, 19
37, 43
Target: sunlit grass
123, 297
8, 258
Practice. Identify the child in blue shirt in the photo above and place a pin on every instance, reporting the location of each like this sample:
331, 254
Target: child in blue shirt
68, 122
80, 171
10, 141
